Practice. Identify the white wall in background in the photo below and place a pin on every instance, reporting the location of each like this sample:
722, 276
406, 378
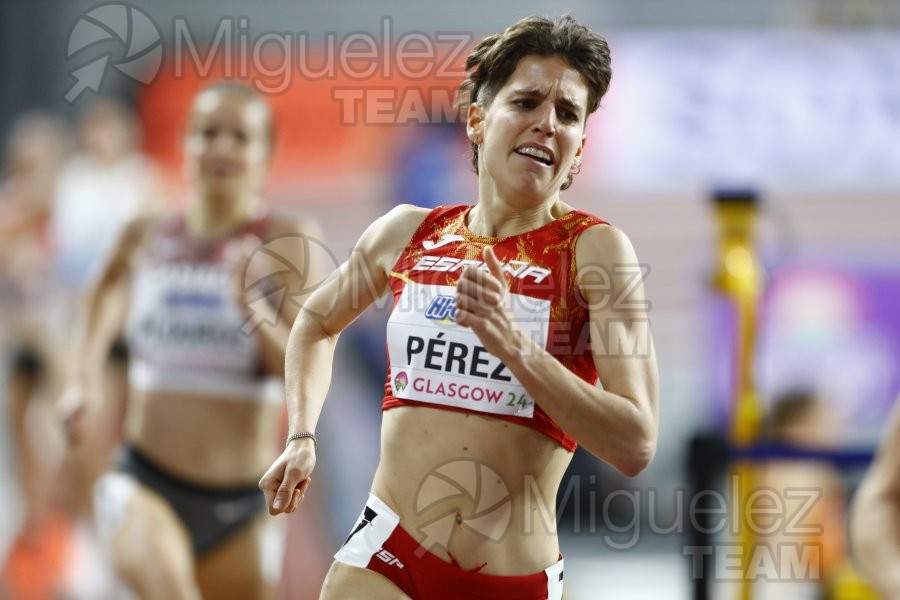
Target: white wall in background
783, 110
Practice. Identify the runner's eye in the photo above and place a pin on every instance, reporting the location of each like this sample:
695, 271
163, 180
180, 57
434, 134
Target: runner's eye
567, 115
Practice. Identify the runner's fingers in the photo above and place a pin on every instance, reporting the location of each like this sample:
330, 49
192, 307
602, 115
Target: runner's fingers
295, 501
476, 307
282, 498
298, 495
269, 486
494, 264
483, 278
468, 319
483, 293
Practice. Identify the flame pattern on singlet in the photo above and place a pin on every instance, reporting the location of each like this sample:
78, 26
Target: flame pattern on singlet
435, 362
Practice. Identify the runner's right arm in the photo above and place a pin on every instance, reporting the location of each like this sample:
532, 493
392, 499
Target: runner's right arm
354, 286
875, 517
102, 320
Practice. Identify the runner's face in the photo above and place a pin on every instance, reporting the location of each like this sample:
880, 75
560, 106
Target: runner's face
533, 130
227, 145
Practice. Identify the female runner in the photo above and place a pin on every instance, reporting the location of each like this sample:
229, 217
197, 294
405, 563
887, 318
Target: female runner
206, 314
505, 313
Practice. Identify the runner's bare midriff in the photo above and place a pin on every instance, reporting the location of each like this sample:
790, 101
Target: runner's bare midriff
204, 439
423, 448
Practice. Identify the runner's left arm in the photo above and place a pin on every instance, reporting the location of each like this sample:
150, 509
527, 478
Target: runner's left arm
618, 423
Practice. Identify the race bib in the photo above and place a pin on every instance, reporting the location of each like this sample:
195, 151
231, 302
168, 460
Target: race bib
435, 360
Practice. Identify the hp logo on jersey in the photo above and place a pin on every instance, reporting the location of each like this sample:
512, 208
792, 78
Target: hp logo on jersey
442, 309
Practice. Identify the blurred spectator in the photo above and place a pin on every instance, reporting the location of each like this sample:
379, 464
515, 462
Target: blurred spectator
33, 535
799, 419
45, 549
105, 184
34, 155
38, 535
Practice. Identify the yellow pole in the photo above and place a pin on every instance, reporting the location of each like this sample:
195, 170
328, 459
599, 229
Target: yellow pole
739, 277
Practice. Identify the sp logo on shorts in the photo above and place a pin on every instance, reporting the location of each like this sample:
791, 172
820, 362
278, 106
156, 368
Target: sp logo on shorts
388, 558
476, 497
